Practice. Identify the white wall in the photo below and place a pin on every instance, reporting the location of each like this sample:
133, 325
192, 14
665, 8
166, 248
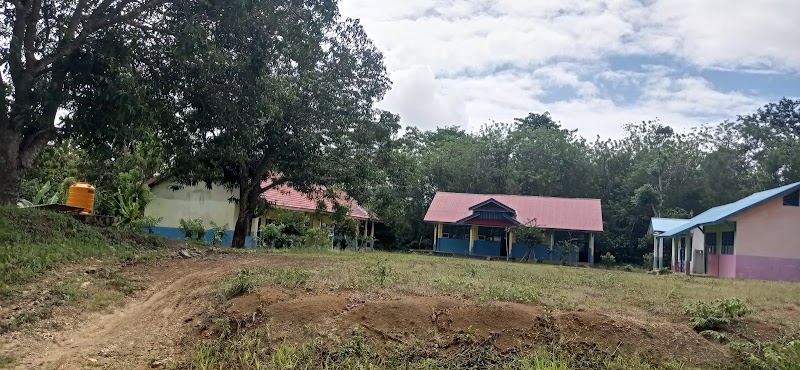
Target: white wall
192, 202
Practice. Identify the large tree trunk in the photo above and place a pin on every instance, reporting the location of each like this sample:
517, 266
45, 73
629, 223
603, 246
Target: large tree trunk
242, 227
249, 195
10, 171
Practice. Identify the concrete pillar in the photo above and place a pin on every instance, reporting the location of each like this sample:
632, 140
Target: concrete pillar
687, 255
660, 253
591, 248
675, 241
655, 253
511, 238
435, 235
372, 235
552, 242
473, 234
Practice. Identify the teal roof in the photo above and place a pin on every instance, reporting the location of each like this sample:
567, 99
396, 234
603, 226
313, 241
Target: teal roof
718, 214
660, 225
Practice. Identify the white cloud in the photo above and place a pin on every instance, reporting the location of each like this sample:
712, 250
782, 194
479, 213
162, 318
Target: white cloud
471, 61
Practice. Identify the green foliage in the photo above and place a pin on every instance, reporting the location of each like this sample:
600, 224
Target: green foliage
776, 356
716, 315
382, 271
252, 350
316, 238
664, 271
218, 233
714, 335
33, 242
608, 259
193, 229
530, 235
271, 236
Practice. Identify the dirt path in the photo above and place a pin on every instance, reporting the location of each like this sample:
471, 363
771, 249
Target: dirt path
153, 326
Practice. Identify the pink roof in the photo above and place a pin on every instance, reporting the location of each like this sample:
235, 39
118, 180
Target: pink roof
286, 197
549, 213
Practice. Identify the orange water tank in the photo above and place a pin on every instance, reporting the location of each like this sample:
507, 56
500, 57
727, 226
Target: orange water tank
81, 195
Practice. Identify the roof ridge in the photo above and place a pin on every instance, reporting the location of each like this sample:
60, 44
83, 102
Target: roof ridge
518, 195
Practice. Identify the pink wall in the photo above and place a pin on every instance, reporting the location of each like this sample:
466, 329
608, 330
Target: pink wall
769, 230
713, 265
767, 268
727, 266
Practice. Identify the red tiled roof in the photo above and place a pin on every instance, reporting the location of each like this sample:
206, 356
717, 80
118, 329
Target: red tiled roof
549, 213
286, 197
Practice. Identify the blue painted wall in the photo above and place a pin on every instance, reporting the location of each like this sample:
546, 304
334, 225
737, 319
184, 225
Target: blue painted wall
486, 248
540, 252
452, 245
176, 233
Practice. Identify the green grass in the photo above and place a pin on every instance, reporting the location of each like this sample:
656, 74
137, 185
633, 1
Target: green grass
251, 350
33, 242
556, 287
6, 361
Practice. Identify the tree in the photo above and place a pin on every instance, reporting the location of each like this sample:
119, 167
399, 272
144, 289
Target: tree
275, 93
37, 41
530, 235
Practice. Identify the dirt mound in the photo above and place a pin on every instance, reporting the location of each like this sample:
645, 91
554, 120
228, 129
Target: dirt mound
448, 323
646, 339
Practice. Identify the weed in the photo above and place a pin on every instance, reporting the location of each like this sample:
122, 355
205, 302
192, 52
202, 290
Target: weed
193, 229
6, 361
778, 357
714, 316
244, 282
714, 335
382, 271
608, 259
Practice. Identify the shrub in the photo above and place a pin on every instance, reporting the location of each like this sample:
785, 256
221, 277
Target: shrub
193, 229
715, 316
316, 238
647, 261
777, 357
271, 235
664, 271
608, 259
146, 223
218, 233
629, 268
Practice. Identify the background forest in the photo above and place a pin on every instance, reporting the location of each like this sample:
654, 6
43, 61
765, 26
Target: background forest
244, 93
652, 171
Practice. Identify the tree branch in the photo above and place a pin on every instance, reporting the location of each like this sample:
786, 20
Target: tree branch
94, 23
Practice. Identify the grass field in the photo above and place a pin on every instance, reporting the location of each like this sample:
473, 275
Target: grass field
632, 301
303, 309
557, 287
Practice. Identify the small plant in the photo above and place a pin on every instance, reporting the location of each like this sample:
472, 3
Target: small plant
271, 236
218, 233
244, 282
714, 335
629, 268
316, 238
608, 259
664, 271
569, 250
647, 261
193, 229
777, 357
530, 235
382, 271
717, 315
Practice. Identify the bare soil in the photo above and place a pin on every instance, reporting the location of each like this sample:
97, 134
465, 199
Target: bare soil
178, 307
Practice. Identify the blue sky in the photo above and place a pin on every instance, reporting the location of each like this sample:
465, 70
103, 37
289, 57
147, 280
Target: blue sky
595, 65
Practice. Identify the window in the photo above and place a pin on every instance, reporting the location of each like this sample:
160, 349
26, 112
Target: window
491, 233
455, 231
727, 242
792, 199
711, 243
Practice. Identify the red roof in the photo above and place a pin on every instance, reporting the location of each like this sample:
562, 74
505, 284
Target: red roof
549, 213
286, 197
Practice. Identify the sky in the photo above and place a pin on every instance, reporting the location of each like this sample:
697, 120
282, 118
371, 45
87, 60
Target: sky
594, 65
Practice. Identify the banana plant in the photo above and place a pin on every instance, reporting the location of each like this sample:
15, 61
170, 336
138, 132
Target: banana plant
40, 198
